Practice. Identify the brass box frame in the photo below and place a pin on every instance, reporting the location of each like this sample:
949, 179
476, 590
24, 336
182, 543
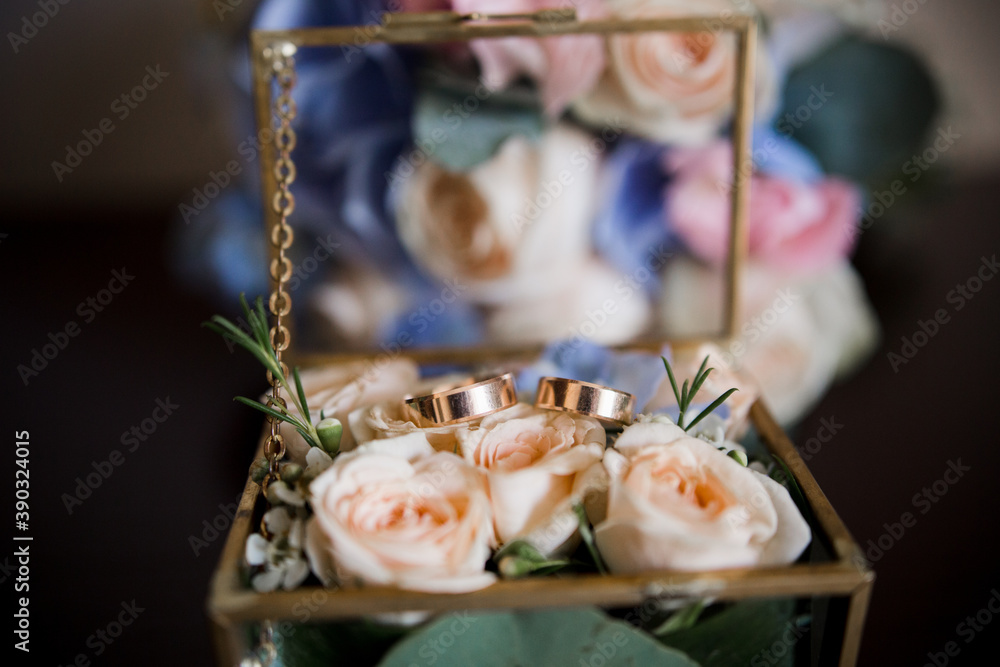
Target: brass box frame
231, 604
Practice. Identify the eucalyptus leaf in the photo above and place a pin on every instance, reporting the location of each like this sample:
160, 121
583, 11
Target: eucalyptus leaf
750, 632
346, 643
554, 638
863, 107
459, 129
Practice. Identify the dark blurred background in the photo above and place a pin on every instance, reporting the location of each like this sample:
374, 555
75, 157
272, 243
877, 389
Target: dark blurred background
129, 542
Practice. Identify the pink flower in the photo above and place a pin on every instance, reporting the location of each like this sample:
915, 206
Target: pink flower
395, 512
538, 463
565, 68
678, 503
792, 225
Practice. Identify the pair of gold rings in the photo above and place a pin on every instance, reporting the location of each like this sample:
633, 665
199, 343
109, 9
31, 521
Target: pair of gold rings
466, 402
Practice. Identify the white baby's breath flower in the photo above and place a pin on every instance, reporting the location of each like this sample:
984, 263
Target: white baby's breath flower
317, 461
281, 556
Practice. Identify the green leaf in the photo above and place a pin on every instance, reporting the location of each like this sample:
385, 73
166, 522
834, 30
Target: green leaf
288, 419
307, 436
707, 411
588, 537
877, 103
347, 643
303, 403
700, 377
553, 638
514, 567
520, 549
795, 491
458, 139
673, 382
682, 619
740, 634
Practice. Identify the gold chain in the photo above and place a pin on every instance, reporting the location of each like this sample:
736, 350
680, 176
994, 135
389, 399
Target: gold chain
282, 57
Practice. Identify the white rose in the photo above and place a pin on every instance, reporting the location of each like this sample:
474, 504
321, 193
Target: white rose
514, 227
796, 333
594, 307
395, 512
678, 503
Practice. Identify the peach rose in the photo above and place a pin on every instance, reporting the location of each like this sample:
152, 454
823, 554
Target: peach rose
389, 419
509, 228
538, 463
678, 503
565, 68
792, 225
339, 389
395, 512
669, 86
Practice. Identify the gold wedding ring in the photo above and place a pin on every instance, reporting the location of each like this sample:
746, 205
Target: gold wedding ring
464, 402
585, 398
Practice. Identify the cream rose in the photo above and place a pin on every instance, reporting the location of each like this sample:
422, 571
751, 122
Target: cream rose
509, 228
669, 86
678, 503
596, 307
796, 334
395, 512
538, 463
338, 389
358, 306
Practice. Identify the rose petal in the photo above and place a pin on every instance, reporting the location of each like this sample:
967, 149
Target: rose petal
793, 534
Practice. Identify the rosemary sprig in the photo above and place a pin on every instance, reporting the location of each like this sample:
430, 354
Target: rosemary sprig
326, 434
686, 393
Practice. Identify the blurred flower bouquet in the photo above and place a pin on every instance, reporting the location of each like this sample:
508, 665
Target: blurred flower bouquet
373, 497
523, 191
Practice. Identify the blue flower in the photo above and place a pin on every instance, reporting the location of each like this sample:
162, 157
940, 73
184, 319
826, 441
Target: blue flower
638, 373
354, 108
430, 322
630, 229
